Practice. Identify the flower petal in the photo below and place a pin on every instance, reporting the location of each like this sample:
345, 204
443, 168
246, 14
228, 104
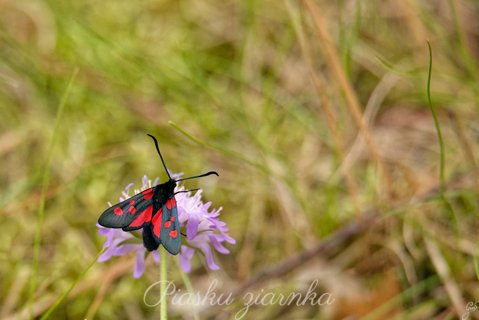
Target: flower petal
185, 258
139, 267
210, 260
126, 248
156, 256
218, 245
103, 231
105, 256
192, 227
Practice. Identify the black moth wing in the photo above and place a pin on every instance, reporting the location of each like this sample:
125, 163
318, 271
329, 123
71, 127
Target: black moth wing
164, 226
170, 228
130, 214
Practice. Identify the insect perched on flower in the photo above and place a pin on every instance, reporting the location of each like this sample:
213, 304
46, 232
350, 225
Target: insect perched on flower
154, 210
204, 231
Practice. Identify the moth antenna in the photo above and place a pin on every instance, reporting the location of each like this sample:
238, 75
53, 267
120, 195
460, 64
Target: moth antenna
201, 175
161, 157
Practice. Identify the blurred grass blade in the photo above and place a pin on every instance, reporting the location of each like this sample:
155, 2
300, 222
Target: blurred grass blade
44, 188
48, 313
436, 121
224, 150
442, 152
407, 295
476, 266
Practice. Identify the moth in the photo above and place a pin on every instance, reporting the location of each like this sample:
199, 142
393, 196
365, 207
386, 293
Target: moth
154, 210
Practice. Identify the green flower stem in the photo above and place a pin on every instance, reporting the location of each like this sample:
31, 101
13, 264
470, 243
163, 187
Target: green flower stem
163, 283
189, 288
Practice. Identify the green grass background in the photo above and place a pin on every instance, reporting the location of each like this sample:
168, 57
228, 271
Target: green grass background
313, 113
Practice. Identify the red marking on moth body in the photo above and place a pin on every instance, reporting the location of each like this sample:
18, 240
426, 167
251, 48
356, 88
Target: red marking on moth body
118, 211
173, 233
132, 202
132, 210
157, 223
167, 224
147, 194
145, 216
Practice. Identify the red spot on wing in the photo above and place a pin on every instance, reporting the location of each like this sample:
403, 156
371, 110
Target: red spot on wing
132, 210
172, 219
148, 213
118, 211
157, 223
173, 233
167, 224
147, 194
168, 204
132, 202
173, 201
145, 216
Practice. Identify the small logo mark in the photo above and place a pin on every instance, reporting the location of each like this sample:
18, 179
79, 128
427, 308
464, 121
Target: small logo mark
470, 307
